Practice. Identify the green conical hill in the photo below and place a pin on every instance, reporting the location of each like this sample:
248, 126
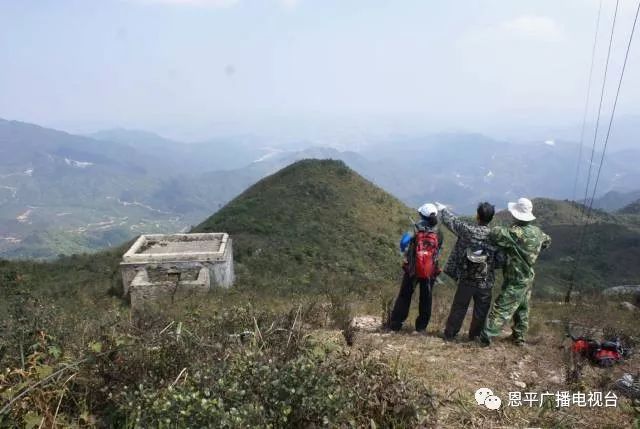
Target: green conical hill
311, 221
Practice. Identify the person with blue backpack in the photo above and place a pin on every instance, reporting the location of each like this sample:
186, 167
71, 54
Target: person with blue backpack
421, 252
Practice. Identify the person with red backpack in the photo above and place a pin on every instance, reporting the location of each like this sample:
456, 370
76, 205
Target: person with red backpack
420, 267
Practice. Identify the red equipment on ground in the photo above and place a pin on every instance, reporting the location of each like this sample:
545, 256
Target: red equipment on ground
604, 354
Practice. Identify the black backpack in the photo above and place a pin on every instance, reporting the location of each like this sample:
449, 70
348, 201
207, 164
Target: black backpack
475, 265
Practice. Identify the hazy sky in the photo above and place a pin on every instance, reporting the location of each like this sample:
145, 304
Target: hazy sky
190, 68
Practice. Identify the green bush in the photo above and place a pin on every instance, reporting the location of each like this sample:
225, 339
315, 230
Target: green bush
198, 367
310, 390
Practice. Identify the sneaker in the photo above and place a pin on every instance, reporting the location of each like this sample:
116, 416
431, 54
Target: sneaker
422, 332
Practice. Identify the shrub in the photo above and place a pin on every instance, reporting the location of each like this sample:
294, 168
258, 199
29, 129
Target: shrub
201, 367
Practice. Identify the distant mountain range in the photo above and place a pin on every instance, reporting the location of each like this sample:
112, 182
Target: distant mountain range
633, 208
465, 169
616, 200
609, 251
159, 154
64, 193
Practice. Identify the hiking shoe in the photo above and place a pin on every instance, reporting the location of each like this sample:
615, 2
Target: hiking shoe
393, 328
517, 341
481, 341
447, 338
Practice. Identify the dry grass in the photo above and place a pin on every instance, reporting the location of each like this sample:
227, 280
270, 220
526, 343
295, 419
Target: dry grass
454, 371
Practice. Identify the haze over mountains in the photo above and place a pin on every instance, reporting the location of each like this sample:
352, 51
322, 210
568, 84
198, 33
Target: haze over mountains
64, 193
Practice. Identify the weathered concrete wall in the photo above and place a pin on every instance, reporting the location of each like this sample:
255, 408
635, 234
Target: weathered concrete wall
143, 290
222, 273
186, 264
128, 273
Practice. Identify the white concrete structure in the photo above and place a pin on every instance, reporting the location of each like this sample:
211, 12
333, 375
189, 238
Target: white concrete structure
159, 265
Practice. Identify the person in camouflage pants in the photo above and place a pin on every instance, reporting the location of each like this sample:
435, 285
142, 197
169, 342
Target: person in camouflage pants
521, 242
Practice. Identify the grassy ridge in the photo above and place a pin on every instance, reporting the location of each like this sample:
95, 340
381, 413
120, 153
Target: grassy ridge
608, 252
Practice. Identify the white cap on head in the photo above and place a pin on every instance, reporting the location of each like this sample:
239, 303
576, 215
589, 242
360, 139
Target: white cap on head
522, 210
428, 209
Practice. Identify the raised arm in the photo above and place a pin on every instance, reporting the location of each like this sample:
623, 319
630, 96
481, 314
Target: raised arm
454, 223
499, 236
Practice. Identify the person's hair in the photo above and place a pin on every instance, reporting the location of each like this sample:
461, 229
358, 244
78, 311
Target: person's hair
432, 219
485, 212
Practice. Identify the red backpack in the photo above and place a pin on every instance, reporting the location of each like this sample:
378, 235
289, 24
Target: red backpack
426, 254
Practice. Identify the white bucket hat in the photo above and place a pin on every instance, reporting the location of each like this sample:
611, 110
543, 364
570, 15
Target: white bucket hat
428, 210
522, 210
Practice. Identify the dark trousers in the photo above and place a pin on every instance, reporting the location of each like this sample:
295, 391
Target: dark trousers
481, 305
403, 302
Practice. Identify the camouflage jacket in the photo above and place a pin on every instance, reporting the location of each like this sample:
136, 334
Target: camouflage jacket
474, 237
521, 244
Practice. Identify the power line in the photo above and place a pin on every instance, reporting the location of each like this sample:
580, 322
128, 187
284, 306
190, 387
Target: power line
581, 236
613, 110
606, 142
604, 84
586, 105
